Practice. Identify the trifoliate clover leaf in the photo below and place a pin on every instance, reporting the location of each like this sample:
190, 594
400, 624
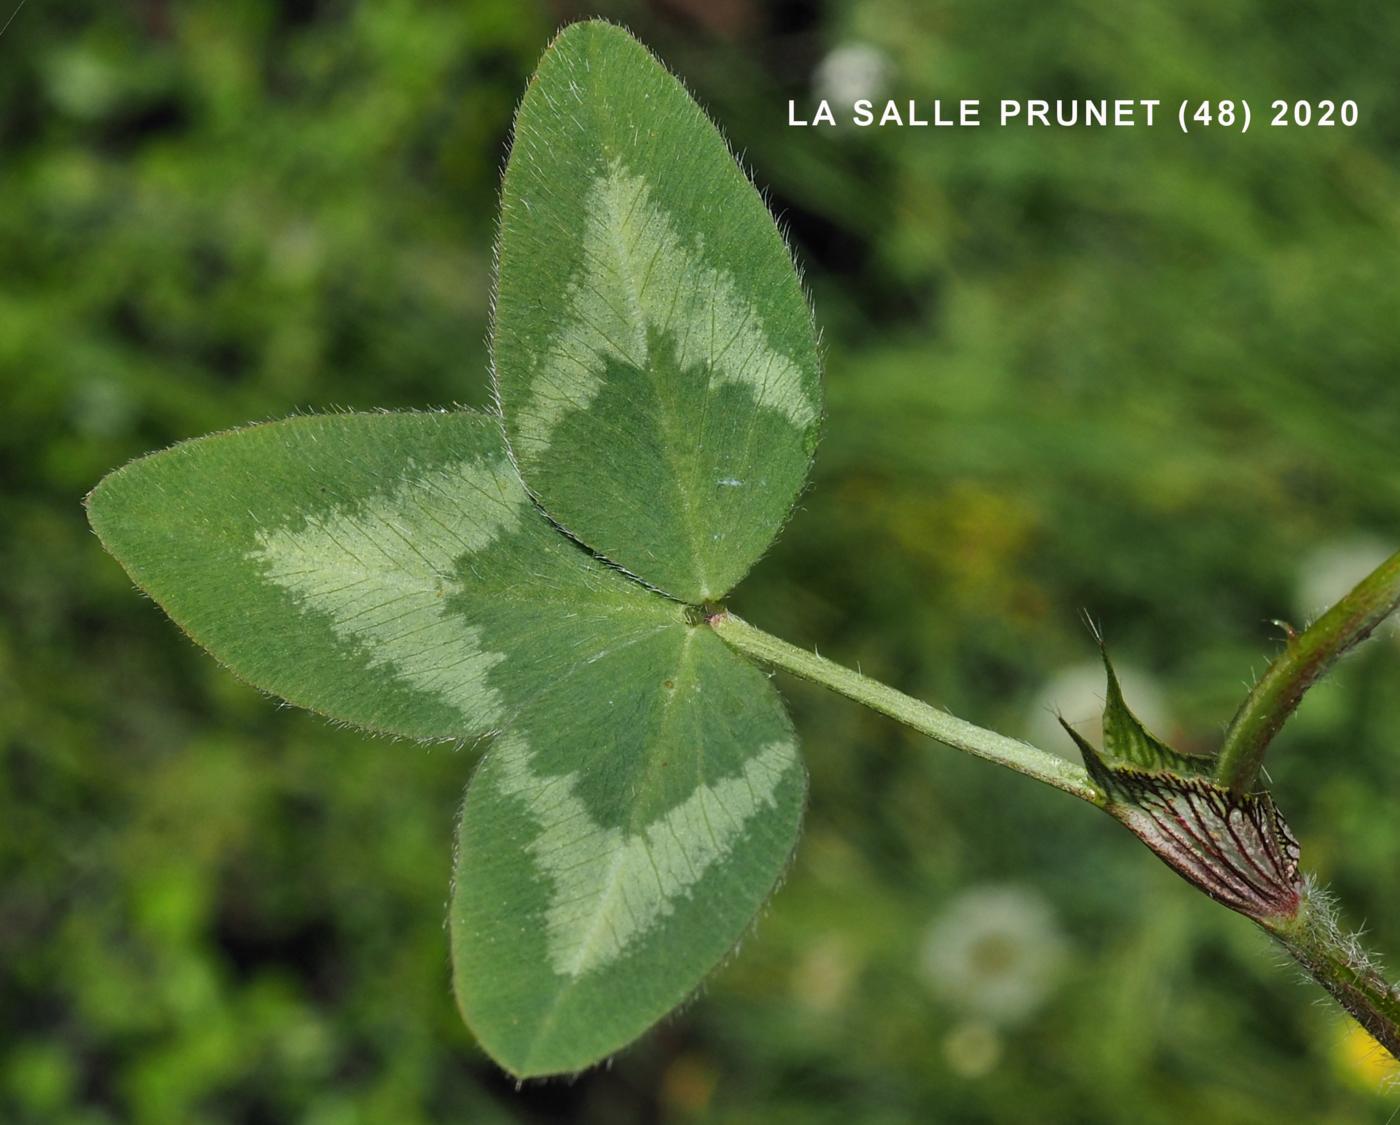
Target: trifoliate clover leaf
656, 367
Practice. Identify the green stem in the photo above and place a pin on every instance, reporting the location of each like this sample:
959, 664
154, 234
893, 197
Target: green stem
1304, 659
1312, 936
1339, 963
948, 729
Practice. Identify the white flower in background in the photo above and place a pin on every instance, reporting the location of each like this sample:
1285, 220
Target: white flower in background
995, 951
1077, 693
851, 71
1329, 571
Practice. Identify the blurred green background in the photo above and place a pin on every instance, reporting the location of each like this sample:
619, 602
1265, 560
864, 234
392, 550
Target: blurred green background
1146, 375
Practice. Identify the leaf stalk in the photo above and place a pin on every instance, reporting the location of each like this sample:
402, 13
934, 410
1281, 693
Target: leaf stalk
1070, 777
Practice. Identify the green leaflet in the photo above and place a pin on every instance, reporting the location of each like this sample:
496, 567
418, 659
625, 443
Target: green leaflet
375, 568
654, 356
613, 846
390, 571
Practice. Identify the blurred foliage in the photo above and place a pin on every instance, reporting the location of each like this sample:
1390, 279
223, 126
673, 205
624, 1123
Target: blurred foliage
1132, 372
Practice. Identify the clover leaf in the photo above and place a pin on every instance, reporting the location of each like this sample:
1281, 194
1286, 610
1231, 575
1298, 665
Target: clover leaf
656, 369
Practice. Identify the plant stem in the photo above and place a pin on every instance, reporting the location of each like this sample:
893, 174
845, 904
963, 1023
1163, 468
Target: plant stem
1304, 659
1312, 935
1339, 963
948, 729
